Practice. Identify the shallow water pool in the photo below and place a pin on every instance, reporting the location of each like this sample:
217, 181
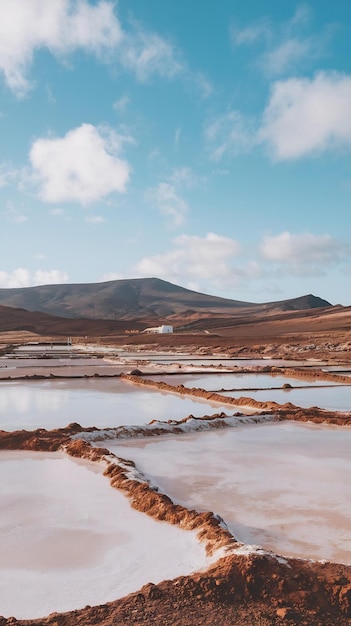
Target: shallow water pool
283, 486
68, 539
92, 402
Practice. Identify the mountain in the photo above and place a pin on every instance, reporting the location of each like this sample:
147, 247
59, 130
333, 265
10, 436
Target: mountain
135, 298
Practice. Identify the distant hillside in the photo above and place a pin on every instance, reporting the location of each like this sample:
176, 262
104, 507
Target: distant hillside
12, 320
134, 298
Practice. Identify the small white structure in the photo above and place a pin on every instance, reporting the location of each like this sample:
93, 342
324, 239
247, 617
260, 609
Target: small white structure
165, 329
159, 329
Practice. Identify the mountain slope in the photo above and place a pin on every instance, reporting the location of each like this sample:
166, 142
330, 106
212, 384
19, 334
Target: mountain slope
133, 298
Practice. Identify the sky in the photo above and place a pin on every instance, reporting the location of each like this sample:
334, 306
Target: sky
205, 143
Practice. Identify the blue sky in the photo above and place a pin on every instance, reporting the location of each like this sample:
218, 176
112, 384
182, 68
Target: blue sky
204, 143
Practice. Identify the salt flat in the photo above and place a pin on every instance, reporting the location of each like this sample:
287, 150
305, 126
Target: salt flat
68, 539
281, 486
92, 402
331, 398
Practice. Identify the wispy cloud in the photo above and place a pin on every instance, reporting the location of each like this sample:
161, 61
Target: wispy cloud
286, 46
229, 134
260, 30
14, 214
8, 174
121, 104
146, 54
168, 195
177, 136
169, 203
204, 85
95, 219
184, 176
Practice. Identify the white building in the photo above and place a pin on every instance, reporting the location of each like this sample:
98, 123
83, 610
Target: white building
159, 329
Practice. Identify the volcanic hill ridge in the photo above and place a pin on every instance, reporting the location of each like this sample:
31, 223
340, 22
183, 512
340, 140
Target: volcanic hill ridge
136, 298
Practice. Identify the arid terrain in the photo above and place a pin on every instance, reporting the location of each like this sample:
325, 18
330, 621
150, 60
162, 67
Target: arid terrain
252, 588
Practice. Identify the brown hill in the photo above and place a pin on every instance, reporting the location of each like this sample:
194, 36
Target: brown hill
135, 299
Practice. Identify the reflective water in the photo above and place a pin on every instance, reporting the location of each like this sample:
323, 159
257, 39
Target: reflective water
186, 359
284, 486
68, 539
216, 382
331, 398
91, 402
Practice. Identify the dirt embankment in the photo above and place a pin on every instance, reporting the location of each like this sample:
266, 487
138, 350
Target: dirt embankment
123, 475
310, 375
253, 590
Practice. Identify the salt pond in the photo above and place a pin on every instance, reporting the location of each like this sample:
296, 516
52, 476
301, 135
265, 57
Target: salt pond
331, 398
92, 402
283, 486
68, 539
216, 382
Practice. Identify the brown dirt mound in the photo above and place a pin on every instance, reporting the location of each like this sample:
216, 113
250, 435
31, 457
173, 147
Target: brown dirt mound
255, 590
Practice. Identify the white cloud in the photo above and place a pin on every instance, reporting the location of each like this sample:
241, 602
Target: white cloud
302, 117
60, 26
168, 202
22, 277
83, 166
49, 277
147, 53
307, 116
229, 134
64, 27
194, 259
303, 250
